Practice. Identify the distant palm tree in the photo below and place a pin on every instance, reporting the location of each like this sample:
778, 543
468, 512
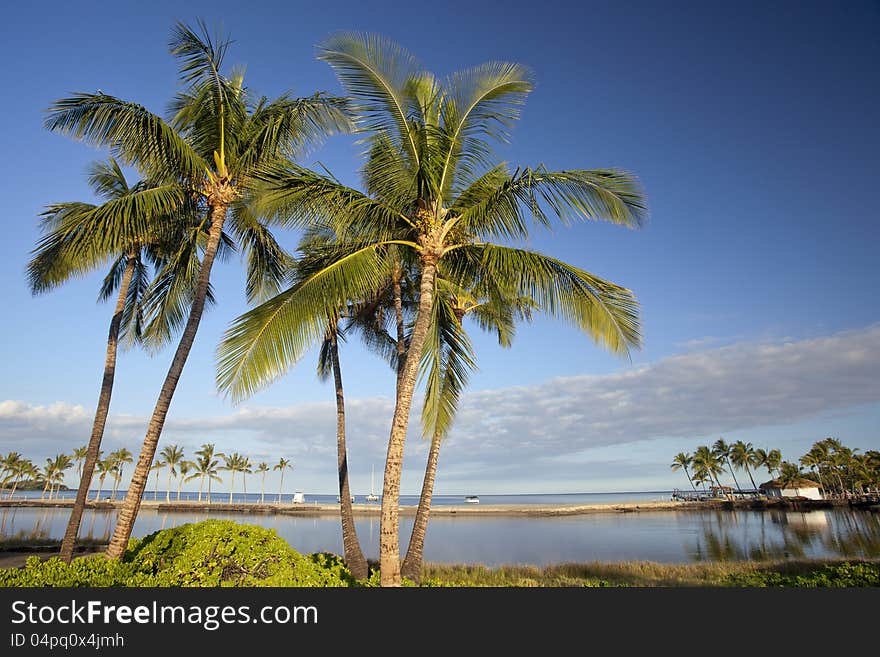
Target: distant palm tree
742, 455
157, 465
682, 461
9, 467
263, 468
245, 467
232, 463
60, 464
789, 476
22, 469
173, 455
708, 465
120, 457
79, 455
184, 468
103, 467
722, 450
282, 465
205, 467
773, 461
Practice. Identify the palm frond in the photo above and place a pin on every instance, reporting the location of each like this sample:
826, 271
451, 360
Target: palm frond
265, 342
603, 310
134, 134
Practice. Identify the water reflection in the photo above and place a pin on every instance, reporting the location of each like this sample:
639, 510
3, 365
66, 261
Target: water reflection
669, 537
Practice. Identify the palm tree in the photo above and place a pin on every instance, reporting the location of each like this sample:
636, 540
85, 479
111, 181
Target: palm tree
157, 465
75, 241
173, 456
682, 461
707, 464
184, 468
232, 463
103, 468
79, 455
205, 467
60, 464
22, 469
47, 474
245, 467
742, 454
722, 450
263, 468
447, 360
789, 476
773, 461
282, 465
218, 136
9, 467
430, 192
120, 457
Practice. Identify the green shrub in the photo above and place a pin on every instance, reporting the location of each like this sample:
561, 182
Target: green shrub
209, 553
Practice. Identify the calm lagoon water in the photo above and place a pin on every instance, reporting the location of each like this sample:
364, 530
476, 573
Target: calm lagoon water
668, 536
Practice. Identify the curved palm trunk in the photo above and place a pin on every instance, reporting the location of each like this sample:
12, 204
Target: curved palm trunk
412, 563
730, 467
688, 475
354, 556
751, 478
132, 504
94, 448
389, 539
398, 312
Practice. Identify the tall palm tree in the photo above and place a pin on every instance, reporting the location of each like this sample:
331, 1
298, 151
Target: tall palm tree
218, 136
741, 455
184, 468
682, 461
773, 461
282, 465
722, 451
9, 467
172, 456
431, 191
447, 361
74, 242
263, 468
120, 458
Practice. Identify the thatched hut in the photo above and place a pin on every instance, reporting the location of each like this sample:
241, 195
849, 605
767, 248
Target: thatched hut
801, 487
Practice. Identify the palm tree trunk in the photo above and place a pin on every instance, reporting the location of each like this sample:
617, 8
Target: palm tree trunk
263, 490
691, 481
752, 479
412, 563
156, 487
280, 486
398, 313
179, 484
389, 538
730, 467
94, 448
354, 556
168, 487
232, 486
201, 485
209, 490
132, 504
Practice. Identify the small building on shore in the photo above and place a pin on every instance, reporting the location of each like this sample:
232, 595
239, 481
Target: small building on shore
798, 488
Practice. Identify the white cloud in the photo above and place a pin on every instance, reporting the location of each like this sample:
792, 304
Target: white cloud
527, 431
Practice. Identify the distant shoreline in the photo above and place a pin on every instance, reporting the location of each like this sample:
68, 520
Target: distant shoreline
374, 509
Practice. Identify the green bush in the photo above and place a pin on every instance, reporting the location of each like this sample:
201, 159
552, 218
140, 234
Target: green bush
209, 553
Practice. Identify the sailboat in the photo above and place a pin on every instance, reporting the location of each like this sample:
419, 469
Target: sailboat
372, 497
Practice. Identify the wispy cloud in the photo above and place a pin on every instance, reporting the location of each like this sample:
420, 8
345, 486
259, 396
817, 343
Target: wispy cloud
531, 431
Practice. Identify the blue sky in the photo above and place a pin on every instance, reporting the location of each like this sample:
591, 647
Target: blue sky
752, 128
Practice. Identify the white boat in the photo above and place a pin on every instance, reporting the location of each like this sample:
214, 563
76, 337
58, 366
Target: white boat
372, 497
299, 498
339, 499
472, 499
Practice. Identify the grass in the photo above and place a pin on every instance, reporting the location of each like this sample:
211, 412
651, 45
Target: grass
637, 573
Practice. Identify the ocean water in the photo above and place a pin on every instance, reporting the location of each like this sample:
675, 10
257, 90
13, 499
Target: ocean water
665, 536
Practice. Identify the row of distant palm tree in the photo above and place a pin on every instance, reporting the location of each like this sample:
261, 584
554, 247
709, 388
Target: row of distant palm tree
205, 467
838, 469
